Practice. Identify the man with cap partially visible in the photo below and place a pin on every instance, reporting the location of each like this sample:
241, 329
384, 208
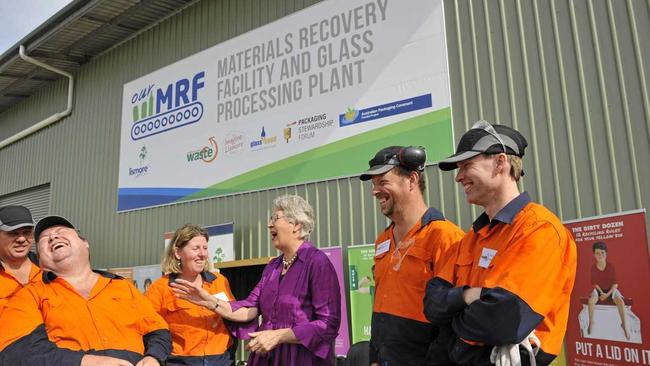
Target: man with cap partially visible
18, 265
503, 292
76, 315
406, 253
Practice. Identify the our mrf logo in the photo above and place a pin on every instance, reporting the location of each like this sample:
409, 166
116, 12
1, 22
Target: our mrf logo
157, 110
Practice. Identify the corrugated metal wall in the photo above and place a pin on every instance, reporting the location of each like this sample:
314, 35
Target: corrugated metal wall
571, 75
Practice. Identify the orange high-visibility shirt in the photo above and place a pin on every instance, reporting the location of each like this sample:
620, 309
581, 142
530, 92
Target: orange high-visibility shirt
116, 316
9, 285
399, 291
196, 331
531, 256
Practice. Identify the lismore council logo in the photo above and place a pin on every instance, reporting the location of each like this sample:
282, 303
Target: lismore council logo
143, 167
158, 110
206, 154
264, 141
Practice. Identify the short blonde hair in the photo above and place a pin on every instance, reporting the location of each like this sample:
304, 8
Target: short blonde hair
297, 210
180, 239
516, 167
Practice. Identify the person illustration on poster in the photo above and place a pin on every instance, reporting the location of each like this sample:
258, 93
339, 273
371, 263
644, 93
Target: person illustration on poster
605, 286
147, 283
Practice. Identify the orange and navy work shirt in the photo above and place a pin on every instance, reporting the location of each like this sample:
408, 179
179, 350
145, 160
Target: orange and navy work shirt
524, 260
50, 323
401, 274
9, 285
196, 330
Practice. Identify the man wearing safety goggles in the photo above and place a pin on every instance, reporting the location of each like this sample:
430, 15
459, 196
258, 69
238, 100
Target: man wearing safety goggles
502, 294
406, 253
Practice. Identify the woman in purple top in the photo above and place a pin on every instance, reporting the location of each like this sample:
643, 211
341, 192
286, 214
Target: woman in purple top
298, 296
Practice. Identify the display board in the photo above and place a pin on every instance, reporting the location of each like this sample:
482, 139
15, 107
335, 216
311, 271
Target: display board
609, 317
362, 290
343, 339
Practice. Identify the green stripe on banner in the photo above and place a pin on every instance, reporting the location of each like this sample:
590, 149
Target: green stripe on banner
345, 157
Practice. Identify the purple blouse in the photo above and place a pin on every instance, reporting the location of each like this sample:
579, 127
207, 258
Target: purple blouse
307, 300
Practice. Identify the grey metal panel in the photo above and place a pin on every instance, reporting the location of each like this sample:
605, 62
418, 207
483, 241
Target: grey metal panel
573, 76
36, 199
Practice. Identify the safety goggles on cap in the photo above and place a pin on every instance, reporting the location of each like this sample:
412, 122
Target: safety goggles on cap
485, 138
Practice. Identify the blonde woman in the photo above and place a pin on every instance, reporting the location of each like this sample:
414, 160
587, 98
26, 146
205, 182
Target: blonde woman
198, 333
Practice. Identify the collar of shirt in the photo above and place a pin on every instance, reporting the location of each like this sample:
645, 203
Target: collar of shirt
49, 276
506, 215
303, 253
207, 276
430, 215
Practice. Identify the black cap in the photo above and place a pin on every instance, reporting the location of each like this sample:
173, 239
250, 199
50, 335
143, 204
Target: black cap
385, 160
410, 157
484, 138
48, 222
14, 217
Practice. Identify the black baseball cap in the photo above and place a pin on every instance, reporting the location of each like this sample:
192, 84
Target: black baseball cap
14, 217
484, 138
48, 222
384, 160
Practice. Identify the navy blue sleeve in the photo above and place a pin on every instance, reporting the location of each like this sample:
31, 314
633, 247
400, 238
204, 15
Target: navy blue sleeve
499, 317
35, 349
158, 344
373, 354
442, 301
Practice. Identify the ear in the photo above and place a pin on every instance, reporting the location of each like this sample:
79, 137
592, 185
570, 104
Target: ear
502, 163
297, 227
413, 181
176, 253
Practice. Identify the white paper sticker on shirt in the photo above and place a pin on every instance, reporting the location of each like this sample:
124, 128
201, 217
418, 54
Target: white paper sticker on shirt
486, 257
382, 248
222, 296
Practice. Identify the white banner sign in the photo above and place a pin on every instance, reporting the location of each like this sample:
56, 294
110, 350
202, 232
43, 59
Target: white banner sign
308, 97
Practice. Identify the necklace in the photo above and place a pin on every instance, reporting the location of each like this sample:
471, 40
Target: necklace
287, 263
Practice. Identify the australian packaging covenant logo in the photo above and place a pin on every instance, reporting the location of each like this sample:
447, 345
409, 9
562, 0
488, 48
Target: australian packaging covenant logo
157, 110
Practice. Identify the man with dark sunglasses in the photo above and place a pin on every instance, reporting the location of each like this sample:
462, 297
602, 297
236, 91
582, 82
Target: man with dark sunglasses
406, 253
502, 294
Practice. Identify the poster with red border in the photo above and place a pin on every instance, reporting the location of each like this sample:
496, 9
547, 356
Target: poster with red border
609, 318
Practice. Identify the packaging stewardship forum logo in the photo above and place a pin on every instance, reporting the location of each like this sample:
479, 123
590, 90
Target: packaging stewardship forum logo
307, 127
157, 110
